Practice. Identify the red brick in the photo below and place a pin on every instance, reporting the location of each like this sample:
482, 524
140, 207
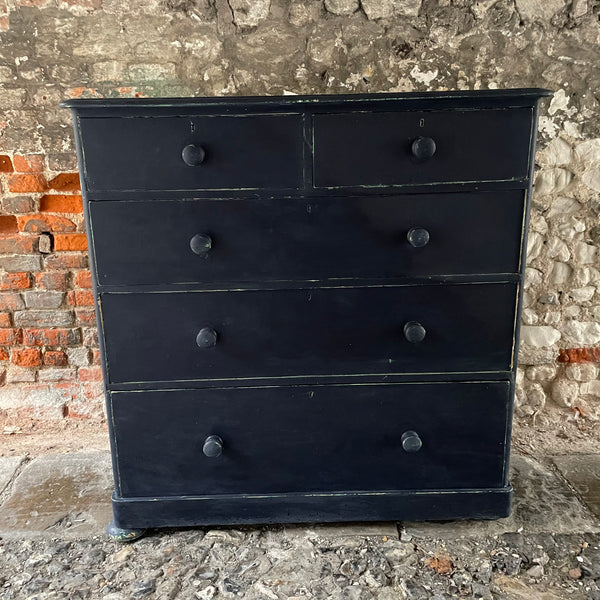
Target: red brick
65, 182
6, 165
80, 298
41, 412
4, 25
11, 301
31, 163
51, 337
9, 337
49, 280
5, 320
61, 203
27, 357
579, 355
8, 224
96, 359
85, 316
22, 184
87, 410
17, 244
83, 279
40, 223
69, 390
15, 281
65, 261
93, 390
70, 241
89, 374
13, 205
3, 354
55, 358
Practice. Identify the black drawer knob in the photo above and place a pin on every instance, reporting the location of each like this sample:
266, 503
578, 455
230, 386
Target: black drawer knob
213, 446
418, 237
193, 155
411, 442
200, 244
414, 332
206, 338
423, 148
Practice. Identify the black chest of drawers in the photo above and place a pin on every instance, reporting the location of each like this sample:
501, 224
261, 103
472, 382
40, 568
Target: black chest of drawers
309, 306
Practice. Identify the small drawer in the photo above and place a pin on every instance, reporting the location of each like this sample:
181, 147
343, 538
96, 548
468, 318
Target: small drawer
420, 148
192, 152
281, 439
164, 336
178, 241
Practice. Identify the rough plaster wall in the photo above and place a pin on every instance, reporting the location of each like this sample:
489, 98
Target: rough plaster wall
51, 50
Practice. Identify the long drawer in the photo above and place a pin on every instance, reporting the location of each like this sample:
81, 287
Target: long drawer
166, 336
421, 147
154, 242
313, 438
223, 152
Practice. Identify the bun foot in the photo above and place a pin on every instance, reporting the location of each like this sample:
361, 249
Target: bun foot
117, 534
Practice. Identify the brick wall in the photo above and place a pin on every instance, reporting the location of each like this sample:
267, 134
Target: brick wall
49, 362
56, 49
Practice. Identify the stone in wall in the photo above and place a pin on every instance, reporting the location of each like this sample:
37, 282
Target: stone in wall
249, 13
304, 12
385, 9
591, 388
541, 373
551, 181
582, 333
587, 154
565, 392
539, 10
342, 7
581, 372
538, 336
536, 396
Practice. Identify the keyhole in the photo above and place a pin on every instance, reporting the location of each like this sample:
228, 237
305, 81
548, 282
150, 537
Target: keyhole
422, 123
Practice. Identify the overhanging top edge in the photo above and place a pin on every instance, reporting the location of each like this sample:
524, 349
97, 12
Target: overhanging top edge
324, 99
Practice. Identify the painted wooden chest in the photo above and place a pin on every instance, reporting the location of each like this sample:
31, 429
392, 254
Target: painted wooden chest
308, 306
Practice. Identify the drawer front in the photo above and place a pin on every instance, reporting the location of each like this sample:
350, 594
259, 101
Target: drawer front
374, 149
260, 151
167, 336
311, 439
250, 240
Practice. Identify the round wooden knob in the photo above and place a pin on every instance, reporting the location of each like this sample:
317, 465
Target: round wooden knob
206, 338
213, 446
201, 244
418, 237
193, 155
423, 148
411, 442
414, 332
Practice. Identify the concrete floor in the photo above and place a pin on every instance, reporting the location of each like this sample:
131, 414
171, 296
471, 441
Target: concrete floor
69, 495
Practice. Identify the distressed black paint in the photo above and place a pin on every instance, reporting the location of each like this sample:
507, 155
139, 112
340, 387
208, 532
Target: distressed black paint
309, 305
